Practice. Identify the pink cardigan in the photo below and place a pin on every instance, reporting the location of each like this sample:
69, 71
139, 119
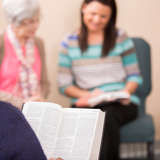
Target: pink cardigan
44, 84
10, 67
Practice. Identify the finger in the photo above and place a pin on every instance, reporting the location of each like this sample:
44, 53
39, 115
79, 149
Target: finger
125, 101
59, 159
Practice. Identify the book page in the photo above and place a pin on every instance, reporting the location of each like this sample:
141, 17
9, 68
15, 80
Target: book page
45, 119
77, 134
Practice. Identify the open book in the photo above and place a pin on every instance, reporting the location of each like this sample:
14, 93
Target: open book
108, 96
69, 133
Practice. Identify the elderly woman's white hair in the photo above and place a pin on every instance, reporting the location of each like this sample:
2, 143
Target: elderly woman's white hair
18, 10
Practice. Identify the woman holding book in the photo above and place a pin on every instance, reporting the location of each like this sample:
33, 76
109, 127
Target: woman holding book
96, 59
22, 58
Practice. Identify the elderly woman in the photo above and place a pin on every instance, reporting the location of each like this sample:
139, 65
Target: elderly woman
22, 67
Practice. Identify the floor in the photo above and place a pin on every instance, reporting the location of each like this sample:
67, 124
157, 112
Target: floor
156, 158
138, 151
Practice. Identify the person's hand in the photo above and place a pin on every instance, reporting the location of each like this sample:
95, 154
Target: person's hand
83, 101
55, 159
96, 92
37, 98
125, 101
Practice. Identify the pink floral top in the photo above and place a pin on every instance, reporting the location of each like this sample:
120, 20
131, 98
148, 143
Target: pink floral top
10, 68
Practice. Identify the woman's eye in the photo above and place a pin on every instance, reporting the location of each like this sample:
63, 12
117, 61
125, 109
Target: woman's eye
103, 16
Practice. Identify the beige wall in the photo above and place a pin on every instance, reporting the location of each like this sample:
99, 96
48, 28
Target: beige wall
140, 18
137, 17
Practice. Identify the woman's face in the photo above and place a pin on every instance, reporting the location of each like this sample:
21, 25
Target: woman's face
96, 16
28, 27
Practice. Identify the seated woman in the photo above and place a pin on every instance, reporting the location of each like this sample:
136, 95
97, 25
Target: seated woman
22, 58
99, 58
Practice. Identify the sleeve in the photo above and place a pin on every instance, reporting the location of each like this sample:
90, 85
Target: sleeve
21, 142
7, 97
1, 47
65, 76
130, 61
28, 143
44, 78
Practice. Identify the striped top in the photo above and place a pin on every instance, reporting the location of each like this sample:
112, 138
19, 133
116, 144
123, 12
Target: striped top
89, 70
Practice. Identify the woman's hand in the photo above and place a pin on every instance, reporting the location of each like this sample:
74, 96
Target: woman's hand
129, 88
96, 92
83, 101
37, 98
125, 101
55, 159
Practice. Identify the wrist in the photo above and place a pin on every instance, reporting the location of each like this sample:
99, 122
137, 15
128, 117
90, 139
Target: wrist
84, 93
127, 91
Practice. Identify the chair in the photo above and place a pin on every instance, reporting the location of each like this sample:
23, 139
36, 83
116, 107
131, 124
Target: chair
142, 129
